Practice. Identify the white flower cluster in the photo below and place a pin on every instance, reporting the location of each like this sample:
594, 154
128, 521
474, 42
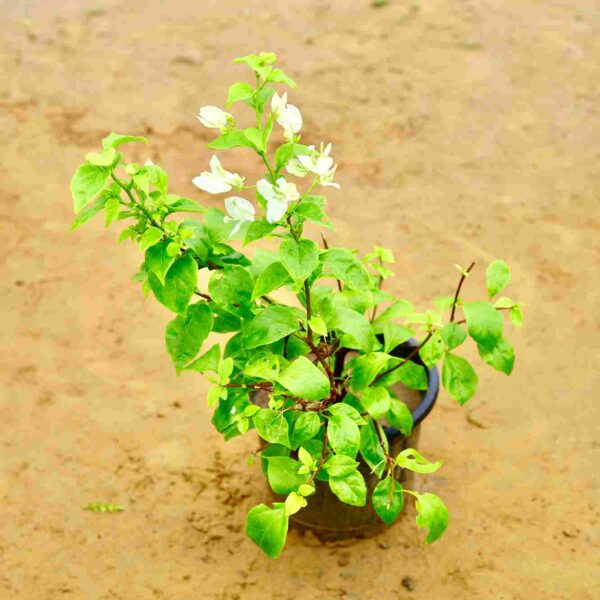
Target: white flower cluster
277, 196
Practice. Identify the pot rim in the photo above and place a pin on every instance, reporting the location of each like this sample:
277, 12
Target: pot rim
428, 396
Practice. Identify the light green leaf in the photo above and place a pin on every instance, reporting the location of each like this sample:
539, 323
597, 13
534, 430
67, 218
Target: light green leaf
113, 140
102, 159
388, 500
350, 489
400, 417
272, 426
343, 408
498, 277
432, 514
376, 401
501, 357
267, 528
307, 425
346, 267
318, 325
84, 215
151, 236
111, 210
394, 335
177, 204
305, 380
433, 350
365, 368
453, 335
87, 182
343, 434
258, 229
239, 91
410, 374
293, 503
414, 461
272, 278
458, 377
357, 325
186, 333
299, 258
340, 465
283, 476
231, 288
484, 323
180, 284
209, 361
516, 315
159, 261
231, 139
370, 448
270, 325
254, 136
401, 309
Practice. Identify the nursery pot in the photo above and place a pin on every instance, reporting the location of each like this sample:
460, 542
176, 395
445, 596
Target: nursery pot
331, 519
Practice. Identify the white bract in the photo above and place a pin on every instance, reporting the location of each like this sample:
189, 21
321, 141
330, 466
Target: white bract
277, 197
215, 118
218, 180
319, 164
287, 115
240, 211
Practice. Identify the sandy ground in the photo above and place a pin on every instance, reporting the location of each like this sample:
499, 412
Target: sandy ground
463, 130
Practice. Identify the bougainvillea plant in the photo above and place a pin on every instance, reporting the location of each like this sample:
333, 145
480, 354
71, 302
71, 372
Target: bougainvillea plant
322, 364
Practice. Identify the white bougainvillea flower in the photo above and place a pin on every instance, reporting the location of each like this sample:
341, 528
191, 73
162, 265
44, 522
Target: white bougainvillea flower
240, 211
218, 180
148, 163
277, 196
287, 115
319, 164
215, 118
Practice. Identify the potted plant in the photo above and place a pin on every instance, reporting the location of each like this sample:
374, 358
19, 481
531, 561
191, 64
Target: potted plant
335, 382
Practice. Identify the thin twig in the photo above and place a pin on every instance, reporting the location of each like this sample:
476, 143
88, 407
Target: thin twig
462, 278
403, 362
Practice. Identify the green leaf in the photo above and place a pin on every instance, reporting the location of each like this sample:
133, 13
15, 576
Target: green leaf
267, 528
209, 361
111, 210
102, 159
151, 236
453, 335
400, 417
516, 315
299, 258
365, 368
343, 434
484, 323
239, 91
282, 473
432, 514
177, 204
272, 278
357, 325
459, 378
350, 489
272, 426
501, 357
231, 139
264, 365
414, 461
307, 425
180, 284
410, 374
87, 182
400, 309
346, 410
318, 325
394, 335
433, 350
186, 333
254, 136
113, 140
376, 401
346, 267
293, 503
84, 215
270, 325
159, 261
388, 500
370, 448
305, 380
231, 288
340, 465
278, 76
258, 229
498, 277
286, 152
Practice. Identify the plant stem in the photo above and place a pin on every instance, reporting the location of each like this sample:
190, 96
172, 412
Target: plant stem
462, 278
326, 245
135, 203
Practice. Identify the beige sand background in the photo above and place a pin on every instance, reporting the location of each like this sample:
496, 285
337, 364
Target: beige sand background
464, 130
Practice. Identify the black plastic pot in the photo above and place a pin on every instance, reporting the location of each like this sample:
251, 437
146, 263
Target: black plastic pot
329, 518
